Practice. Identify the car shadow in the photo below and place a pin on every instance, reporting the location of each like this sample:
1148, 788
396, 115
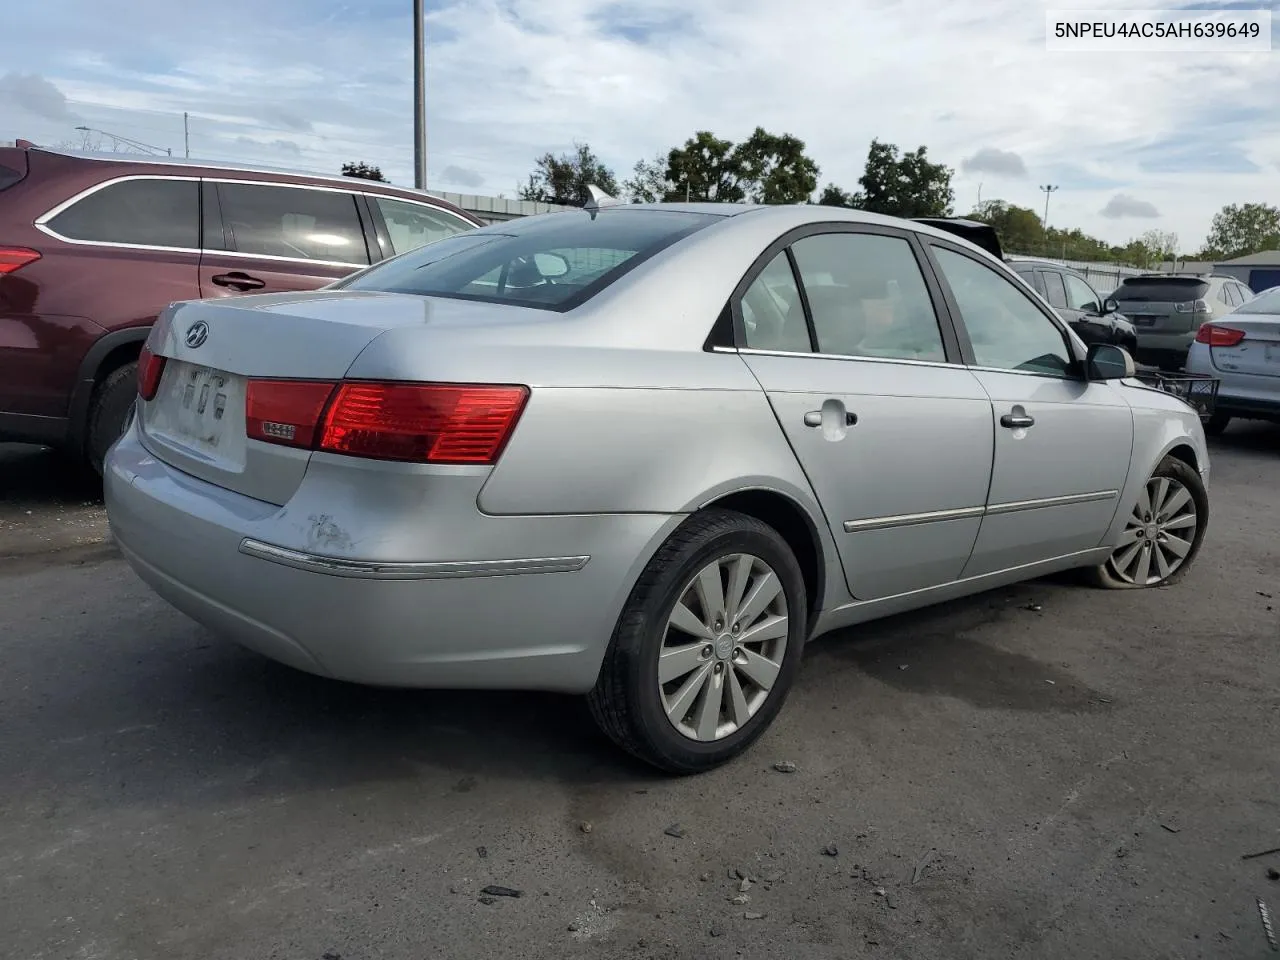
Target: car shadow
31, 475
1248, 436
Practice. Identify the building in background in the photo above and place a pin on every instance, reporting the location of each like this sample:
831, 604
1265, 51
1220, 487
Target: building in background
1260, 271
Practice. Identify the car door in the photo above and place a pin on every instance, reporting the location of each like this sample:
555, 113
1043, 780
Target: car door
276, 237
1084, 311
1062, 444
841, 329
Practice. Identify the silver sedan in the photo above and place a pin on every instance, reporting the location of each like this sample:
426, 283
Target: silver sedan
639, 452
1242, 350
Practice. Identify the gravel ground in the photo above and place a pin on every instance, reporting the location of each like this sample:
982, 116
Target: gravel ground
1046, 771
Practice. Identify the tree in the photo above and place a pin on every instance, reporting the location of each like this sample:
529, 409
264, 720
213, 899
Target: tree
706, 169
764, 168
833, 196
775, 169
564, 179
1163, 244
904, 186
1238, 230
648, 181
364, 171
1019, 228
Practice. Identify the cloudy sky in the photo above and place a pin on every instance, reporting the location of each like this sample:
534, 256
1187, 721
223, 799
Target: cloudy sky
1135, 141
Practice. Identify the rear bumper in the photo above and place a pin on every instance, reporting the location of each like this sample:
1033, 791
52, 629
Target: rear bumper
536, 617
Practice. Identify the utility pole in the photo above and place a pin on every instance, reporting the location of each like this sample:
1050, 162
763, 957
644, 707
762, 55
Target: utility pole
186, 135
979, 195
419, 97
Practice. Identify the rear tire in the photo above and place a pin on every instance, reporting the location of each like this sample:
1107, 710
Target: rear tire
1216, 424
675, 724
110, 413
1178, 523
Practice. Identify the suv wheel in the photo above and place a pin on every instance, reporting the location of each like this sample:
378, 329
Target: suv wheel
111, 413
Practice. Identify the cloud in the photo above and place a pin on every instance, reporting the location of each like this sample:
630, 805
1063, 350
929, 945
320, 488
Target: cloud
1122, 205
461, 177
508, 80
998, 163
36, 95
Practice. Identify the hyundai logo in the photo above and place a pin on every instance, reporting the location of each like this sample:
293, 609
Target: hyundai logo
197, 334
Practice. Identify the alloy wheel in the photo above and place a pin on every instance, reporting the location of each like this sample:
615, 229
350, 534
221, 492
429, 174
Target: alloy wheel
723, 647
1158, 535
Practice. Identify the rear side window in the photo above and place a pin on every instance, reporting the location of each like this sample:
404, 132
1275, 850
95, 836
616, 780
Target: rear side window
146, 212
411, 225
868, 297
1161, 290
1267, 303
772, 312
1054, 290
293, 222
554, 262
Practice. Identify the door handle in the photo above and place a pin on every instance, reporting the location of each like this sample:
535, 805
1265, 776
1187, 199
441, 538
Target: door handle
1016, 420
238, 281
814, 418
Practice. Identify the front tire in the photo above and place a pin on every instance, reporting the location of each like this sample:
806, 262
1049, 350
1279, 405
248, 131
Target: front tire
1163, 534
707, 646
110, 413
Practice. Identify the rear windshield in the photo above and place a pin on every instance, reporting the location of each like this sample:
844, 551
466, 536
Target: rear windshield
1267, 302
554, 262
1161, 289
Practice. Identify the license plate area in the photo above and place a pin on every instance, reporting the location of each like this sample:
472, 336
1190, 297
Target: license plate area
201, 411
1143, 320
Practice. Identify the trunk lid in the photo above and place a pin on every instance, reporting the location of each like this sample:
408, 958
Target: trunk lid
1258, 354
212, 349
1162, 304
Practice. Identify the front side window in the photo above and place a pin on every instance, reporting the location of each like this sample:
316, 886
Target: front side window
555, 261
1055, 289
1080, 295
772, 312
151, 213
1006, 329
293, 222
868, 297
412, 225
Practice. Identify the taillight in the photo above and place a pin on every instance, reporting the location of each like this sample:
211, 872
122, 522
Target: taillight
1216, 336
1192, 306
423, 423
285, 411
419, 423
15, 258
150, 369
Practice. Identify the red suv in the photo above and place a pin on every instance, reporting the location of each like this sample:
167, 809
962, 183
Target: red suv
93, 247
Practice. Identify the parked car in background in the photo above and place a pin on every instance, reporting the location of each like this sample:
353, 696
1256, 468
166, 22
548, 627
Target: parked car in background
1167, 309
642, 453
1242, 349
1092, 316
93, 247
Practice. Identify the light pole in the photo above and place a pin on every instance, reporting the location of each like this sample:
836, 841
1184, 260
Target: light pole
1048, 189
419, 97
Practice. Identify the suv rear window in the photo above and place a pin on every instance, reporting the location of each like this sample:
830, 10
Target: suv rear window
554, 262
144, 212
1161, 289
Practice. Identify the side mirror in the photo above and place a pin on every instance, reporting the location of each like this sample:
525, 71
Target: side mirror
1106, 361
550, 265
1110, 305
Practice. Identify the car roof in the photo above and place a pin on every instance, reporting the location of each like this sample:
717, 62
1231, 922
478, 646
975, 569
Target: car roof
301, 176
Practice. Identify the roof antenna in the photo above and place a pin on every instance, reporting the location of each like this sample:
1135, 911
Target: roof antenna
596, 198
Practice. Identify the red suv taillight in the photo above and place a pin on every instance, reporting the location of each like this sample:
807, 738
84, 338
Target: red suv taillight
15, 258
1216, 336
419, 423
150, 369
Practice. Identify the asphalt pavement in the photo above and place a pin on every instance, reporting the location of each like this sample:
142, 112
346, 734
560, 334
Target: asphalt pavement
1047, 771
